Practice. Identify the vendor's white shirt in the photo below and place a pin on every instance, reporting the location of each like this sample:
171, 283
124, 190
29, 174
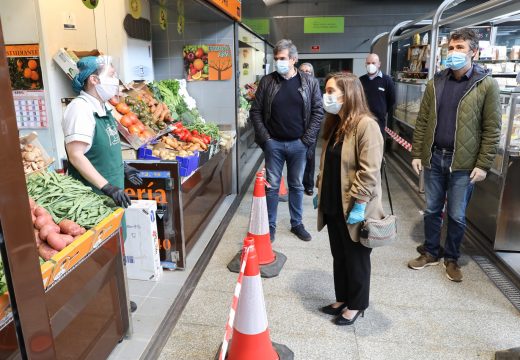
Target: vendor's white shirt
78, 122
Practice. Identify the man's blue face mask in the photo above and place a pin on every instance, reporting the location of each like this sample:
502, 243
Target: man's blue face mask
456, 60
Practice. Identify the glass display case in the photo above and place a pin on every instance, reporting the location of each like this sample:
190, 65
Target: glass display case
408, 101
252, 57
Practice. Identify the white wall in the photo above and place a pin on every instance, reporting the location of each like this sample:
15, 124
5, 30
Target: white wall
41, 21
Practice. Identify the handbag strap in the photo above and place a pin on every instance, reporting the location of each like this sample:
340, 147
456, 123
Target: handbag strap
383, 169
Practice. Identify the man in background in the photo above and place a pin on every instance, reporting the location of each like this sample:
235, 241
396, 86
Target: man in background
308, 175
379, 90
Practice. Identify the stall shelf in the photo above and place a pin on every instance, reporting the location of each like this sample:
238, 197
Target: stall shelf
184, 205
81, 315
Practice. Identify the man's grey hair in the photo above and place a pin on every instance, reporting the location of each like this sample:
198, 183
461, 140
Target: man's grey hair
309, 65
286, 44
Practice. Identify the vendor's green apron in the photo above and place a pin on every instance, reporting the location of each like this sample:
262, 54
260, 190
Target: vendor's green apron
105, 155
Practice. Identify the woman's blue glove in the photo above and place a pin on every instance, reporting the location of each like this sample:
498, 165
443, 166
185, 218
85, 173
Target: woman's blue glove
315, 201
357, 214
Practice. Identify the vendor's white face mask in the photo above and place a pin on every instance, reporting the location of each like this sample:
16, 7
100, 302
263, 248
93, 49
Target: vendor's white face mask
107, 88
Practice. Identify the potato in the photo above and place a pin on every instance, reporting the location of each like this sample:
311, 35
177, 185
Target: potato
49, 229
43, 220
58, 241
46, 252
39, 211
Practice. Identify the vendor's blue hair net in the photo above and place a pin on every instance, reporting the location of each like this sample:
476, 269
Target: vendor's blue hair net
86, 66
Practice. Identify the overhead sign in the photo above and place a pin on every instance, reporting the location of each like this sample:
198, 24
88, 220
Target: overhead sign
315, 48
324, 25
259, 26
230, 7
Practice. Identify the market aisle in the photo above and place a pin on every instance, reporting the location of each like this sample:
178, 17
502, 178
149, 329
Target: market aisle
413, 314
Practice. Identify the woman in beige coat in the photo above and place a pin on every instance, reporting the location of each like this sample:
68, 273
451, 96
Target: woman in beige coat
349, 190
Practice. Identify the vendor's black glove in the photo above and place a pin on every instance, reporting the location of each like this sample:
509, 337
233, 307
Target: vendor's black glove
132, 175
118, 195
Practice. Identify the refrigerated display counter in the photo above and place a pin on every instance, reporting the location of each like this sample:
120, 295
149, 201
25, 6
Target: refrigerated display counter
495, 206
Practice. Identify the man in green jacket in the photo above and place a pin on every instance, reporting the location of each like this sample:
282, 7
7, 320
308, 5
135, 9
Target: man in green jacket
455, 141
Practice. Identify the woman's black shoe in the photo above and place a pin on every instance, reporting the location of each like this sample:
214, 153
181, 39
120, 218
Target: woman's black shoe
329, 310
309, 192
341, 321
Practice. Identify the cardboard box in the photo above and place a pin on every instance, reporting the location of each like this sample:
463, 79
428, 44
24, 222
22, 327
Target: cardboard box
67, 62
142, 241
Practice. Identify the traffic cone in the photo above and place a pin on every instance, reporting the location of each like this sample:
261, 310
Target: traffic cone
271, 262
283, 195
251, 339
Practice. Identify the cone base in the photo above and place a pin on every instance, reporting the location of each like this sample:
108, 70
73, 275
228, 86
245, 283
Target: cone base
266, 271
284, 353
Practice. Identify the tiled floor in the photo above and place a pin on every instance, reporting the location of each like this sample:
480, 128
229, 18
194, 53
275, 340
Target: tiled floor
154, 299
413, 314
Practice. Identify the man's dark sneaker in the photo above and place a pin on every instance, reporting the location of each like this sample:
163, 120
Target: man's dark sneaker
422, 250
453, 270
422, 261
133, 306
308, 192
299, 230
272, 233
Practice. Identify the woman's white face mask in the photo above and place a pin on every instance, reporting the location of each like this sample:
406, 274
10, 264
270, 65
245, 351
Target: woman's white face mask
331, 104
108, 87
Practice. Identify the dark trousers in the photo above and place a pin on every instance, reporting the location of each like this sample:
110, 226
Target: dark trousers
308, 174
351, 264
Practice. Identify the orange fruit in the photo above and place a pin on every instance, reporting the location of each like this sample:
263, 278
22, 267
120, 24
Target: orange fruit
32, 64
27, 73
198, 64
197, 76
35, 76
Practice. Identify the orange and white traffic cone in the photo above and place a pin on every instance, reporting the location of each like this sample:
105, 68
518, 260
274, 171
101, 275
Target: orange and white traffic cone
251, 339
271, 262
283, 195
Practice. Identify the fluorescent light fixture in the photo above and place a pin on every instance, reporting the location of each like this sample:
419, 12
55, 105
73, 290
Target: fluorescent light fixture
273, 2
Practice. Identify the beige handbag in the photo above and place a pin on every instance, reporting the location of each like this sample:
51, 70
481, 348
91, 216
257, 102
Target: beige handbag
375, 233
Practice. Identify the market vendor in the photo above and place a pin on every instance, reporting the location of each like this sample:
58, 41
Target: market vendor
91, 136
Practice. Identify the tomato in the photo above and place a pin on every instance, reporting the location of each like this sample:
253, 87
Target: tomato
140, 125
133, 117
195, 132
146, 134
122, 108
134, 130
126, 121
113, 101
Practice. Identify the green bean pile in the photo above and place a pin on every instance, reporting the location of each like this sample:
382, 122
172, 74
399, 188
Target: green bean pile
67, 198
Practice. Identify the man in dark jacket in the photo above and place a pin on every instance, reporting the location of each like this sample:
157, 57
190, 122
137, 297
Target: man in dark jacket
379, 90
286, 116
455, 139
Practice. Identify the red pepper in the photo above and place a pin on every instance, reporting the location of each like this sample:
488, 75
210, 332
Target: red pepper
189, 138
195, 132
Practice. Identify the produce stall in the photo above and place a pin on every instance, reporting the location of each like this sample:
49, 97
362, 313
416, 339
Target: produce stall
77, 290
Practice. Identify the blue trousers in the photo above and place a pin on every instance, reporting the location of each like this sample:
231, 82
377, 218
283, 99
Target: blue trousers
277, 153
441, 184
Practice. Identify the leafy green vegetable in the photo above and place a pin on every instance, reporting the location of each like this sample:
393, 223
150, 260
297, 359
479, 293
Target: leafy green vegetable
3, 281
169, 90
67, 198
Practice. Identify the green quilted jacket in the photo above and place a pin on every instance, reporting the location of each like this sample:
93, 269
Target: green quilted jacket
479, 117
